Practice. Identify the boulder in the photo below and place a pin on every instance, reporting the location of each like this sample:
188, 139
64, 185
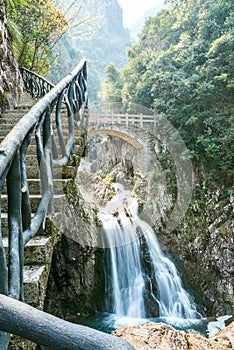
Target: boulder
160, 336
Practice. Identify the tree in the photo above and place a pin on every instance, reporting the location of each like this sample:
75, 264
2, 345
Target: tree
40, 24
111, 89
101, 37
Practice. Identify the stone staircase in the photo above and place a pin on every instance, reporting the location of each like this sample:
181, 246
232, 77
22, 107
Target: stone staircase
38, 251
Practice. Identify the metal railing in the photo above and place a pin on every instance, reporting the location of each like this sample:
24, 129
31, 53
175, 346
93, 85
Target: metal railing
54, 146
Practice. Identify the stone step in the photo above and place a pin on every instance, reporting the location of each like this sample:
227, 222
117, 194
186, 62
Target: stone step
44, 230
34, 201
6, 128
26, 101
37, 251
32, 161
35, 281
67, 172
59, 186
7, 124
34, 186
12, 117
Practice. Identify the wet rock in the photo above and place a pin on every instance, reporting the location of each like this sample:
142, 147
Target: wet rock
159, 336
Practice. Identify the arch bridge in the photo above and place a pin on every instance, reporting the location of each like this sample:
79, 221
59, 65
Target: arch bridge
133, 128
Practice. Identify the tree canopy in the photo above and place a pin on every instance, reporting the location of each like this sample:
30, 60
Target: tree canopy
182, 67
39, 24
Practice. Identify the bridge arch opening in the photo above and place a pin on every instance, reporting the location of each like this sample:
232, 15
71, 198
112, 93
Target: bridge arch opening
131, 140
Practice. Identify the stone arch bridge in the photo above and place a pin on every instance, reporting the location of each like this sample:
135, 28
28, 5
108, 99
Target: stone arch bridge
136, 129
153, 135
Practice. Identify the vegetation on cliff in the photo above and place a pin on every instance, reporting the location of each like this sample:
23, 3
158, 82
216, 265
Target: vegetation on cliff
35, 27
49, 36
182, 67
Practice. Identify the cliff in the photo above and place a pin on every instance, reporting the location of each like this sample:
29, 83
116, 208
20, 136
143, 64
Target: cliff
10, 79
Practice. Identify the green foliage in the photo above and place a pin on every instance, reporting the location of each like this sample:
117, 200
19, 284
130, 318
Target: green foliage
112, 86
35, 27
108, 178
182, 67
16, 37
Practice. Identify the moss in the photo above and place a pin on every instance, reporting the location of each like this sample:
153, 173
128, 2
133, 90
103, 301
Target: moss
109, 178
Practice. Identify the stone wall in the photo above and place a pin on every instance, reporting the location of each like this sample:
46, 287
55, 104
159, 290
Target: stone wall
10, 79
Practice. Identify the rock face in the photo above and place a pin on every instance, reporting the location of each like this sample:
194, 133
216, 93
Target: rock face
73, 284
10, 79
202, 242
159, 336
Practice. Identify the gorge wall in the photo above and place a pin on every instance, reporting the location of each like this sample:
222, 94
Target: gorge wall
10, 78
202, 245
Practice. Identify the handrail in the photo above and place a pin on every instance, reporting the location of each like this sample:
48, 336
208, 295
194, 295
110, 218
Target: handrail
36, 85
54, 333
45, 119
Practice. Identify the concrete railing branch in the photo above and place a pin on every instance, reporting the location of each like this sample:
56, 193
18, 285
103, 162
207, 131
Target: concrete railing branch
44, 329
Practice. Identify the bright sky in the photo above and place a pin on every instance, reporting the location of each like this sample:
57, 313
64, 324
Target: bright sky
134, 9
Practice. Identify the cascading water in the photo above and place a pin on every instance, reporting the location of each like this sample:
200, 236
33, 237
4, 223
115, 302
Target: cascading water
128, 279
172, 299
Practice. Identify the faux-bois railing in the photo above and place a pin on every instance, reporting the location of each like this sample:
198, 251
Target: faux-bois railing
53, 150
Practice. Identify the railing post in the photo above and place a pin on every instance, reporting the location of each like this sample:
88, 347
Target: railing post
126, 116
141, 121
3, 262
15, 227
4, 340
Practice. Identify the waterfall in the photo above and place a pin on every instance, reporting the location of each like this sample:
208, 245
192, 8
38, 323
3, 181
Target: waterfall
127, 283
122, 225
172, 299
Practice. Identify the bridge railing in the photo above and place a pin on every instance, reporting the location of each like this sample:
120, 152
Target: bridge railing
55, 143
128, 119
